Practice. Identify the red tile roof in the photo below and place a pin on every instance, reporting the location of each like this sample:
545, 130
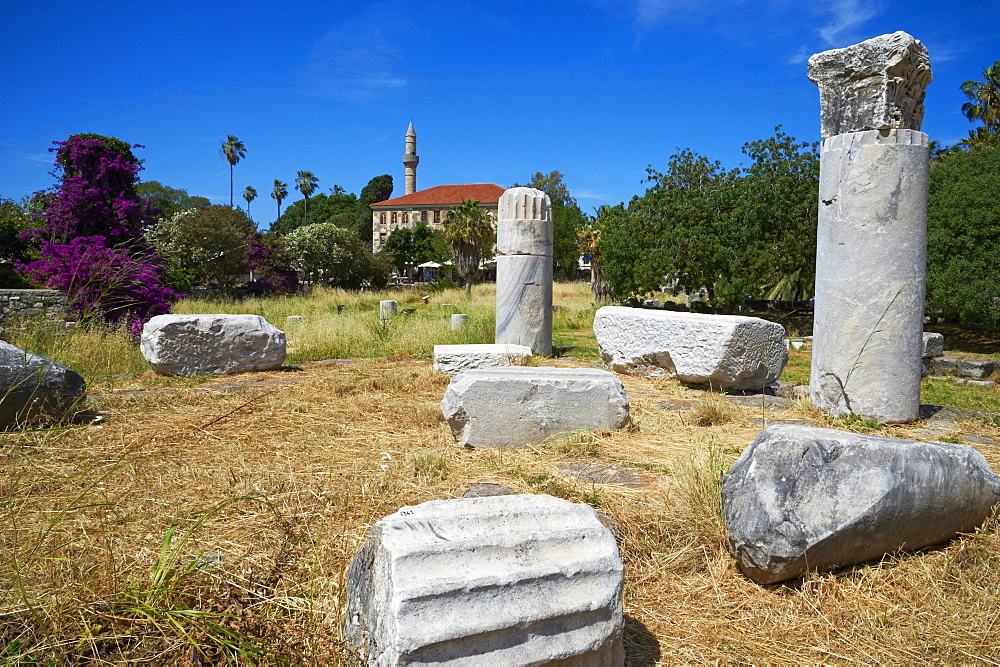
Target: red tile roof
446, 195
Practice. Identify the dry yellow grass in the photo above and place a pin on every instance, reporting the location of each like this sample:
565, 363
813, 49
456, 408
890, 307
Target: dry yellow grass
317, 455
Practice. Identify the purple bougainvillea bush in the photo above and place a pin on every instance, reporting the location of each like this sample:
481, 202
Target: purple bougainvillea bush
89, 233
113, 284
271, 264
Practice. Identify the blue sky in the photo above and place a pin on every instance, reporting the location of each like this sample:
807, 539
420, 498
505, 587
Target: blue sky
597, 89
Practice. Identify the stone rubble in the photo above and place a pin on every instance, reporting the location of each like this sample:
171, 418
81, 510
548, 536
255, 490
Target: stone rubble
516, 407
814, 498
454, 359
35, 389
498, 580
724, 351
211, 344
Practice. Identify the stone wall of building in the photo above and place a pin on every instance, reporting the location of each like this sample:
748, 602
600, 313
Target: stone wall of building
20, 303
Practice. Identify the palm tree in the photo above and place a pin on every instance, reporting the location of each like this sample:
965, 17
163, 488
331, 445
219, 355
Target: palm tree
249, 194
279, 192
984, 96
468, 229
306, 183
234, 151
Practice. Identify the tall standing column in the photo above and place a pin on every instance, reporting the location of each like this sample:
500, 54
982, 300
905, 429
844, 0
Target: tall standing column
871, 254
524, 270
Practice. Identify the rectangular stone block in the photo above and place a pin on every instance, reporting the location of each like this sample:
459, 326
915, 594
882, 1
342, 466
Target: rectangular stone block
501, 580
946, 366
515, 407
933, 345
975, 369
725, 351
454, 359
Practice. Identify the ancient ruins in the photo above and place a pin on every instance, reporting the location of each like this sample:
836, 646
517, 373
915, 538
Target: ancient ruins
871, 254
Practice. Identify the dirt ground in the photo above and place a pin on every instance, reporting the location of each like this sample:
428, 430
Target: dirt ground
273, 479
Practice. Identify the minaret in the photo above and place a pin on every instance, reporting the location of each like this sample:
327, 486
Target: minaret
410, 160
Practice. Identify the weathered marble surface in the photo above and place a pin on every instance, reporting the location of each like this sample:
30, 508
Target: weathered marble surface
933, 345
802, 497
871, 258
524, 222
524, 302
211, 344
454, 359
515, 407
878, 84
499, 580
35, 389
726, 351
387, 309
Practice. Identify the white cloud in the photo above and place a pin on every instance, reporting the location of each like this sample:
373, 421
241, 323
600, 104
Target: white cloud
800, 56
651, 12
588, 194
355, 63
847, 16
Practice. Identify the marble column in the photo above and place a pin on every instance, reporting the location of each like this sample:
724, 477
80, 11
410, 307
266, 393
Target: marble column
871, 255
524, 270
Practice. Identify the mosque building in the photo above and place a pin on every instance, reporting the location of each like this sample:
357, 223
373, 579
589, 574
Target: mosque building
430, 206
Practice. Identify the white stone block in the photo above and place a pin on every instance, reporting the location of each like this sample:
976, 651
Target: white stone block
211, 344
515, 407
454, 359
524, 302
725, 351
501, 580
933, 345
803, 498
458, 320
387, 309
871, 259
878, 84
524, 222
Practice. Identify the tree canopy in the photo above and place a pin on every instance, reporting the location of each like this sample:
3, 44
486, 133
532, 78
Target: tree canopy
963, 216
164, 201
335, 257
739, 233
469, 231
409, 248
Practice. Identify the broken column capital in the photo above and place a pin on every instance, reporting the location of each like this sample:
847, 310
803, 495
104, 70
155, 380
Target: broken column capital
878, 84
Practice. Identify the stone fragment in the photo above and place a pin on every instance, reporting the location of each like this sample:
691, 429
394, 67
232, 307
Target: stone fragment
387, 309
933, 345
926, 366
515, 407
458, 320
524, 302
524, 225
813, 498
871, 258
211, 344
487, 489
878, 84
946, 365
975, 369
602, 472
724, 351
502, 580
34, 389
524, 270
453, 359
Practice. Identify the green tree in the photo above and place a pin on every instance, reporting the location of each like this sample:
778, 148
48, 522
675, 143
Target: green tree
589, 242
335, 257
279, 193
14, 218
408, 248
469, 231
567, 218
306, 183
249, 194
169, 200
234, 151
378, 189
322, 208
206, 245
984, 97
963, 216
